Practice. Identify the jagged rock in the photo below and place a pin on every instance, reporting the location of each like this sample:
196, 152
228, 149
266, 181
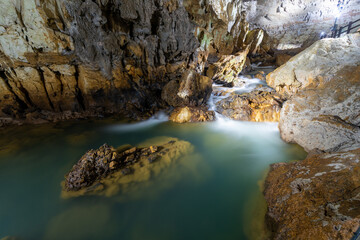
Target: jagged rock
95, 58
229, 67
257, 106
191, 90
316, 198
87, 56
325, 115
191, 114
312, 66
102, 170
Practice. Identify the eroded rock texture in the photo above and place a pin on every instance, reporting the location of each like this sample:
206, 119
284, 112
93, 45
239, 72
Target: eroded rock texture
297, 24
191, 114
91, 57
316, 64
63, 59
317, 198
256, 106
327, 116
107, 171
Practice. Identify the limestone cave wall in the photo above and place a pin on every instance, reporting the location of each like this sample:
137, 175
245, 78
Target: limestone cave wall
63, 59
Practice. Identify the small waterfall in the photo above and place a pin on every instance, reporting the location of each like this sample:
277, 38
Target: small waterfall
243, 85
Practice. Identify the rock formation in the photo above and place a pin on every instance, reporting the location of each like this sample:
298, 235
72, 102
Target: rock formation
323, 112
191, 114
107, 167
325, 117
316, 64
63, 59
317, 198
257, 106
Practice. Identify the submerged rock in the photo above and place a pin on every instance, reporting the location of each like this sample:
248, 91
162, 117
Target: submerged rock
316, 198
325, 116
192, 114
105, 169
257, 106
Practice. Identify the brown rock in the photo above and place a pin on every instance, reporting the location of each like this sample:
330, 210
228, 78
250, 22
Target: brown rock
316, 198
191, 90
191, 114
98, 173
281, 59
230, 66
257, 106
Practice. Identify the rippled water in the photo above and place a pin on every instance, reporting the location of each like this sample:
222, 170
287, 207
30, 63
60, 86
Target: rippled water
213, 194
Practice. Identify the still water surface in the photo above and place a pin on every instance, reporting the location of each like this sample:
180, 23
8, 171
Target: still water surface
215, 194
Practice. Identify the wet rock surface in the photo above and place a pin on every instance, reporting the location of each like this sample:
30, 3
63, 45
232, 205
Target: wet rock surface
106, 168
192, 114
317, 198
257, 106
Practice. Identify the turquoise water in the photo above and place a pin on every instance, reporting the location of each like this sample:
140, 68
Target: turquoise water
213, 194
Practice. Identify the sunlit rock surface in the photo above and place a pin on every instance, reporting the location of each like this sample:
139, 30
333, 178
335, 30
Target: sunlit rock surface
191, 114
229, 67
315, 65
317, 198
108, 171
325, 116
256, 106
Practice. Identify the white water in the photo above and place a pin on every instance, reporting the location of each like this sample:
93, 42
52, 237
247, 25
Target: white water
249, 85
222, 123
158, 118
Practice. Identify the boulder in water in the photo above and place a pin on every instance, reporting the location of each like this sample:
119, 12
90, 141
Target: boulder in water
192, 114
108, 170
257, 106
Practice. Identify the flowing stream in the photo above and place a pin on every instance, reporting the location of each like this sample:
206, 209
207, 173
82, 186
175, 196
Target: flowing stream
215, 193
